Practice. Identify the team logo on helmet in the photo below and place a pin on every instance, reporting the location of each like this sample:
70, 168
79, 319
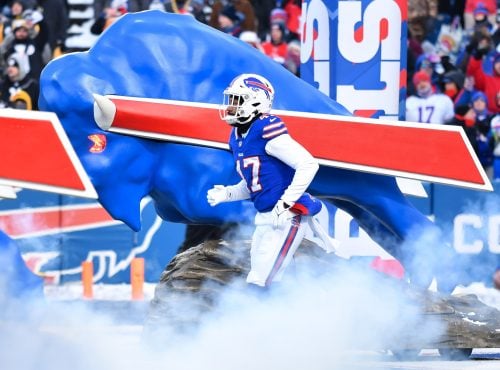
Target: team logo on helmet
254, 83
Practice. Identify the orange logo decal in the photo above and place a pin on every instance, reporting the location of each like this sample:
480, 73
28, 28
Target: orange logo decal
98, 143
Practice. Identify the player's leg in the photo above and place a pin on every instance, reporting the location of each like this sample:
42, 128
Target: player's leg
273, 249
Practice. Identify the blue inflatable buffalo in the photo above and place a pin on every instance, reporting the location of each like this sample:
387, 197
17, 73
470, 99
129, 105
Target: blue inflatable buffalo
169, 56
16, 280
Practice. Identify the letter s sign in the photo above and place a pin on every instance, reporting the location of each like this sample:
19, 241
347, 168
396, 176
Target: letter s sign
316, 43
355, 52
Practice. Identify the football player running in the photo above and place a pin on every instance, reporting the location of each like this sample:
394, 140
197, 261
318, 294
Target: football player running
276, 171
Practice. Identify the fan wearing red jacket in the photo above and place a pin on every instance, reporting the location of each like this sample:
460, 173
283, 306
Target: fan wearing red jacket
489, 84
277, 48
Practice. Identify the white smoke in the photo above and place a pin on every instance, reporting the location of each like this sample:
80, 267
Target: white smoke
313, 320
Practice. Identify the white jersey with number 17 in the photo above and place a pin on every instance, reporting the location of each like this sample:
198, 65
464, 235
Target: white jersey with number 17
437, 108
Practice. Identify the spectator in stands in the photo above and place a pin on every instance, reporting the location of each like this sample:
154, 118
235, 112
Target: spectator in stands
55, 15
428, 105
293, 9
230, 21
139, 5
422, 18
489, 84
449, 9
15, 11
17, 7
464, 97
157, 5
20, 88
110, 14
495, 131
99, 6
251, 38
24, 43
475, 119
480, 18
196, 8
175, 6
480, 44
414, 51
262, 10
292, 60
453, 83
477, 8
278, 15
430, 62
132, 5
277, 48
243, 9
464, 117
484, 141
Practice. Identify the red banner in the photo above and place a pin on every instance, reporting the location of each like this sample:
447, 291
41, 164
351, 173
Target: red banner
36, 154
427, 152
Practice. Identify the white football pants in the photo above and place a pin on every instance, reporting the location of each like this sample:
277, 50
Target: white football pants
272, 248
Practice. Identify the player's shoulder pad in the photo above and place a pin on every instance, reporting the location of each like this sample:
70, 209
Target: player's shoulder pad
272, 126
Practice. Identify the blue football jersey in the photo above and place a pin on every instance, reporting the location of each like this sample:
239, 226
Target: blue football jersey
266, 176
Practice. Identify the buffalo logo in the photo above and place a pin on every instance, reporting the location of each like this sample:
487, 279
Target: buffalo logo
98, 143
254, 84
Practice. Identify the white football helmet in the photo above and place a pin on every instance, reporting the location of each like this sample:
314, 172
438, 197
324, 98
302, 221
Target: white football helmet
247, 96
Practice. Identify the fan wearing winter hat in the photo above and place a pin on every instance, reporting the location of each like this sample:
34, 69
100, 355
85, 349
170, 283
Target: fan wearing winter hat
481, 20
479, 103
476, 9
17, 67
453, 82
19, 80
484, 141
230, 20
428, 105
242, 12
23, 43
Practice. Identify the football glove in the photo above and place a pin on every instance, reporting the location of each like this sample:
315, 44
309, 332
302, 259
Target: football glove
281, 214
218, 194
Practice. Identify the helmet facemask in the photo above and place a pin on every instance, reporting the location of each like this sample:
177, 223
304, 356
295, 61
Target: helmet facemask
236, 109
246, 97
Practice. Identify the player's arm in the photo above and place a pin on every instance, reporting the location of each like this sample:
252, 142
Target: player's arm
289, 151
220, 193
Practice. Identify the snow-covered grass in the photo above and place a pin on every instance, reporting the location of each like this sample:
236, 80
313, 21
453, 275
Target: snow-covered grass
111, 292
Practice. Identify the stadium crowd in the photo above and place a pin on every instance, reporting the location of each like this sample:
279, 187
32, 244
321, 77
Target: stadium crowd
453, 60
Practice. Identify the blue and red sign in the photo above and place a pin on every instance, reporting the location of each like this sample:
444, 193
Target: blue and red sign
355, 52
56, 233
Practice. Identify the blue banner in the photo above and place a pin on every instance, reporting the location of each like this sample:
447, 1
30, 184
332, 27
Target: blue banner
57, 233
472, 221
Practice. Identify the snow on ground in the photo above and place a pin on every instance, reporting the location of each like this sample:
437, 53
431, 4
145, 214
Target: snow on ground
123, 292
109, 292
